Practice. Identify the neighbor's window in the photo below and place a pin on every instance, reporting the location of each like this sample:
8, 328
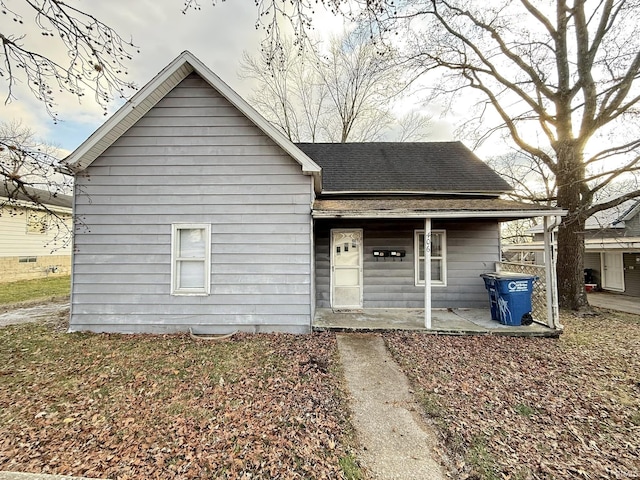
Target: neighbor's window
191, 258
438, 257
37, 221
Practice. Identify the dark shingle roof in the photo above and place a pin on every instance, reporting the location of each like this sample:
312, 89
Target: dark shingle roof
403, 167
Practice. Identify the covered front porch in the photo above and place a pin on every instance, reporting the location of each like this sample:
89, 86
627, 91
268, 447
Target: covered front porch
461, 321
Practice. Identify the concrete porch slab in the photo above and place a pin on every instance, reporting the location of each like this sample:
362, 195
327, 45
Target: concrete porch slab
444, 322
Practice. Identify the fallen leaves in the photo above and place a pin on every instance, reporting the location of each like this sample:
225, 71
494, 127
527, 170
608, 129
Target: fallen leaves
258, 406
534, 408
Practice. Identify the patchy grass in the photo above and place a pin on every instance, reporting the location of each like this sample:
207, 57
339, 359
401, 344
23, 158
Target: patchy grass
39, 289
351, 468
141, 406
533, 408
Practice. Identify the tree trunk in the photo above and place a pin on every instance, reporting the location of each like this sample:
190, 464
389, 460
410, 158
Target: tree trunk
570, 266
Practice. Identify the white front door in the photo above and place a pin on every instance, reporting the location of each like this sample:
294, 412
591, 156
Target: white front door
346, 268
612, 272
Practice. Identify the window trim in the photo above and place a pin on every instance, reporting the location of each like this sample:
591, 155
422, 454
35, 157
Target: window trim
419, 256
175, 229
37, 218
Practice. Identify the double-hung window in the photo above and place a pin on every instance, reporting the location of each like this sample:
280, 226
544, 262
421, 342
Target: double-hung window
438, 257
190, 259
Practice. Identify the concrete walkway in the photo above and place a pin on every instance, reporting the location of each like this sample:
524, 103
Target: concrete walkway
396, 443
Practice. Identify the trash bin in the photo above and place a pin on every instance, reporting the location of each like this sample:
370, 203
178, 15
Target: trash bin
510, 297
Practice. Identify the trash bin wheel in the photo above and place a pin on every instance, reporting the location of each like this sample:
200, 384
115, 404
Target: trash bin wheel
527, 319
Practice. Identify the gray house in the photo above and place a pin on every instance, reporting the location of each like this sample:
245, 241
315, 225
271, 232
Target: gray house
197, 213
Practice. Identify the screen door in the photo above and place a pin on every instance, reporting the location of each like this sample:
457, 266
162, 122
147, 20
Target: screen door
346, 268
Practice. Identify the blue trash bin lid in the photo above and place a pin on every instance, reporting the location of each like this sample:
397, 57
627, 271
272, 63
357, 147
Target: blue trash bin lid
508, 276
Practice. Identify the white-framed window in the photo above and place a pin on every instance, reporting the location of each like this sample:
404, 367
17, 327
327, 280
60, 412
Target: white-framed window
438, 257
37, 221
190, 259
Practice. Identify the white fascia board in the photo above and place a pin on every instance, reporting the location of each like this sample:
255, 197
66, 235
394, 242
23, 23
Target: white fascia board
438, 214
148, 96
127, 115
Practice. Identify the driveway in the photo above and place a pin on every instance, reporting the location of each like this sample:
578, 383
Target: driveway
57, 310
615, 301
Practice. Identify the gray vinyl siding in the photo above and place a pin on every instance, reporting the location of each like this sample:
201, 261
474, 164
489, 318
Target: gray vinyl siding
193, 158
472, 249
631, 274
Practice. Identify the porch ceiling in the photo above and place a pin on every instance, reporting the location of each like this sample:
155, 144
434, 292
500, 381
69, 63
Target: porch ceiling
429, 208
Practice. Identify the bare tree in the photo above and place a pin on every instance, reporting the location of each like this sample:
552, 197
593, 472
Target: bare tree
94, 56
92, 59
413, 127
344, 94
30, 176
288, 93
361, 83
531, 179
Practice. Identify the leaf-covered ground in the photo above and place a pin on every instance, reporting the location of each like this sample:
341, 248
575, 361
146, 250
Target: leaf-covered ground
257, 406
527, 408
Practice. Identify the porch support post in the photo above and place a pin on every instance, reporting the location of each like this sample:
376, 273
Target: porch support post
554, 275
550, 275
427, 273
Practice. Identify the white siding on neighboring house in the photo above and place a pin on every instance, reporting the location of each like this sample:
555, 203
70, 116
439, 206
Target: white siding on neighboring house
18, 240
193, 159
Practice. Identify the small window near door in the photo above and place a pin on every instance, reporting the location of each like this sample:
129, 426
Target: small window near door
438, 257
191, 259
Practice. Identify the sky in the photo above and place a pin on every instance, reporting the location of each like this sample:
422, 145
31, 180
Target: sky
217, 35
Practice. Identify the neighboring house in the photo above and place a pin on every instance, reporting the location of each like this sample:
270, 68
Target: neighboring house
36, 237
612, 249
200, 214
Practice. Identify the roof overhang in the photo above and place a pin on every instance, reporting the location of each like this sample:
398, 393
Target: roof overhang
154, 91
495, 208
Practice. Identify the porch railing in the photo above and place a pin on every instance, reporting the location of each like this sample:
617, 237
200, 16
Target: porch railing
539, 296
